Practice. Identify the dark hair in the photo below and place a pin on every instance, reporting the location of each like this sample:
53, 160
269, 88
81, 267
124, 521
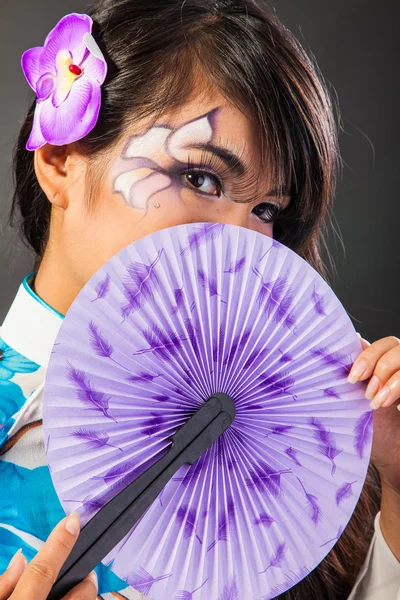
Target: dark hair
154, 50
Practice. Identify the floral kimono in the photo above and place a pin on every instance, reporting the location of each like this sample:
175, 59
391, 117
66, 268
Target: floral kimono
29, 505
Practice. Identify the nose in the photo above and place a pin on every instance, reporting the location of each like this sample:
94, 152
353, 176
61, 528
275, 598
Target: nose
235, 213
241, 214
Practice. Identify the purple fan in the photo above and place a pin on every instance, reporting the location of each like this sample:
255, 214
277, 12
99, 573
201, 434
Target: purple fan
171, 319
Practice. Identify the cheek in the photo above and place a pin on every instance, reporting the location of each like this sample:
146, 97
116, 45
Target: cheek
114, 224
145, 205
138, 188
155, 199
145, 189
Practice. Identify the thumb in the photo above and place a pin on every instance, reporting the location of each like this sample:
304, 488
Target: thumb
10, 577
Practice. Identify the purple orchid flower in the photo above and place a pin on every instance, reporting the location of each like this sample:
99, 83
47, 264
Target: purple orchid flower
66, 74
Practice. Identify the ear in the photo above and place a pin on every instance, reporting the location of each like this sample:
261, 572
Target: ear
54, 167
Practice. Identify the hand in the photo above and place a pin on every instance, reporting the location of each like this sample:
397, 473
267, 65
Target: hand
33, 581
383, 363
381, 360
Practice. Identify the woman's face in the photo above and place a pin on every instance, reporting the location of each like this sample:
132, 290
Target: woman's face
146, 189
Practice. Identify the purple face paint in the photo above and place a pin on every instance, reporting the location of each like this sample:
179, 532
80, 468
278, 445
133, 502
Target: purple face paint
142, 172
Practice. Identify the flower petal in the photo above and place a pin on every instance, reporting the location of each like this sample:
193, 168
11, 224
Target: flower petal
36, 139
90, 119
75, 117
93, 46
64, 80
45, 86
66, 35
199, 129
94, 68
139, 185
30, 63
92, 113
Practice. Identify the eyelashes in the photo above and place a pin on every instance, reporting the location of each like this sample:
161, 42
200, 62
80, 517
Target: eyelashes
237, 189
243, 189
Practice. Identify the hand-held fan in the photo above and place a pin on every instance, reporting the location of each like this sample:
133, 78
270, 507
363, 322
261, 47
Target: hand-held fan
167, 324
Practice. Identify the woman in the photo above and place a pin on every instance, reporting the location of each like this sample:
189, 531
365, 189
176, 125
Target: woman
189, 85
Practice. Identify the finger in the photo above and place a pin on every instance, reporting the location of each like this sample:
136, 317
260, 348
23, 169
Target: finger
85, 589
10, 577
41, 573
388, 393
367, 360
364, 343
385, 379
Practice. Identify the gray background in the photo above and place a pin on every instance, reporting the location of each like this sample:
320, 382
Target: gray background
356, 46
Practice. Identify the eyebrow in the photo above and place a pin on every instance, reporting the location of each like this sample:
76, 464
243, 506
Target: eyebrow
233, 162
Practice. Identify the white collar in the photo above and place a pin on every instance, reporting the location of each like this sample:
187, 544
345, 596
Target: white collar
31, 325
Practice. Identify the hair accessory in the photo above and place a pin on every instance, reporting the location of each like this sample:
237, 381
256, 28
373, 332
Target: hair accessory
197, 415
66, 74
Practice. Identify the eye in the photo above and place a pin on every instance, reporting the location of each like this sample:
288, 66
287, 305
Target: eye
267, 211
202, 178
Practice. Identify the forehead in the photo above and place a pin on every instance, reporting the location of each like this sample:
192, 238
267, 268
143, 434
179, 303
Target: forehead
230, 127
202, 119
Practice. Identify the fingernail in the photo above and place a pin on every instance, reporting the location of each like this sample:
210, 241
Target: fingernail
380, 398
13, 561
356, 371
359, 334
93, 577
372, 387
388, 401
72, 524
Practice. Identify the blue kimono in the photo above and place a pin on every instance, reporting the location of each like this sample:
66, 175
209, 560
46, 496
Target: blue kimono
29, 505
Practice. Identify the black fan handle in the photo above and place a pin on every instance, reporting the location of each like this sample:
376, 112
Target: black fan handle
112, 522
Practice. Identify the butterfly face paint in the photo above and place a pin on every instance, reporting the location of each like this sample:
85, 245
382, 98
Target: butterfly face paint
142, 174
154, 161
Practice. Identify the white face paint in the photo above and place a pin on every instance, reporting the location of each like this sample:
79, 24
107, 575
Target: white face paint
140, 173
